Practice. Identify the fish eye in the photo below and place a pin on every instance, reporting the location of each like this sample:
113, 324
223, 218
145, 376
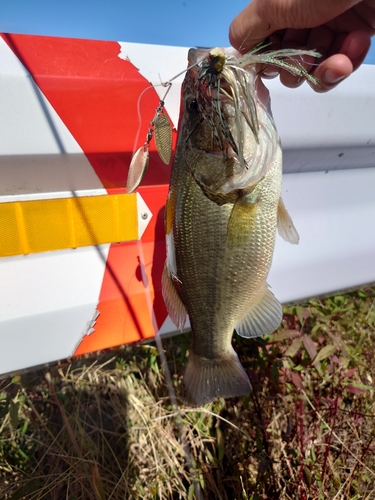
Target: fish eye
192, 106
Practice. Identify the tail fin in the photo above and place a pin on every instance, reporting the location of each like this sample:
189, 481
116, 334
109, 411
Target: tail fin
207, 379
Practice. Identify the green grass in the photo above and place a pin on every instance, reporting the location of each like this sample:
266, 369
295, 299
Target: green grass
104, 427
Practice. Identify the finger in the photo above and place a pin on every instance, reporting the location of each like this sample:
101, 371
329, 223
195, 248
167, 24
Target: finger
355, 47
292, 81
289, 80
275, 40
366, 11
338, 41
249, 28
260, 19
286, 39
269, 71
331, 72
350, 21
321, 40
337, 67
295, 39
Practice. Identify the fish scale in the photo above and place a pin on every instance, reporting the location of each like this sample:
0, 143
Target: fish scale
221, 234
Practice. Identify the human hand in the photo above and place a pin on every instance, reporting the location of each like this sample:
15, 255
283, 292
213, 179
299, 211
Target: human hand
340, 30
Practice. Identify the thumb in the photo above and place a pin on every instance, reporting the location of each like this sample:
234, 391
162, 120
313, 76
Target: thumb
261, 18
251, 26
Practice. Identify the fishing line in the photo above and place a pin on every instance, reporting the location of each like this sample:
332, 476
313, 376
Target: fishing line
139, 117
244, 40
167, 374
169, 84
161, 104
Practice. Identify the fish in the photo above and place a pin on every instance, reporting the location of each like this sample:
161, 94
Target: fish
223, 209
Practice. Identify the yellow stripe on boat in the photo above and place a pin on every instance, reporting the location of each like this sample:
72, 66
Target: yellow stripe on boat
44, 225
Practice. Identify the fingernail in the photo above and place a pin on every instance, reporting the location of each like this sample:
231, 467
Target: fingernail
330, 76
356, 48
270, 73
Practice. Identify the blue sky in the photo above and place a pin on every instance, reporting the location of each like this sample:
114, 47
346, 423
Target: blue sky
168, 22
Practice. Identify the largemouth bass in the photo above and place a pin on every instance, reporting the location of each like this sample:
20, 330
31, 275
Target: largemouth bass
222, 213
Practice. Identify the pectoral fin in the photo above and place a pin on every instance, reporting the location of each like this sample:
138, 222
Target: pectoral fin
263, 318
285, 225
174, 304
241, 221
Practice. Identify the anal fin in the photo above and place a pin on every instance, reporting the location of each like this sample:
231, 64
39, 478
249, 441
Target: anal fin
285, 225
174, 304
263, 317
207, 379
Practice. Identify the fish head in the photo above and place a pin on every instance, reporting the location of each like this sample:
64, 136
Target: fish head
226, 127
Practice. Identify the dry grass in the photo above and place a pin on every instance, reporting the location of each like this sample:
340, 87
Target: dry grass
104, 428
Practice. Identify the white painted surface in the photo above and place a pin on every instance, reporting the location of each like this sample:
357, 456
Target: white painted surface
10, 65
334, 214
144, 215
46, 176
42, 338
48, 304
168, 328
330, 131
48, 281
38, 154
28, 123
158, 63
343, 117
